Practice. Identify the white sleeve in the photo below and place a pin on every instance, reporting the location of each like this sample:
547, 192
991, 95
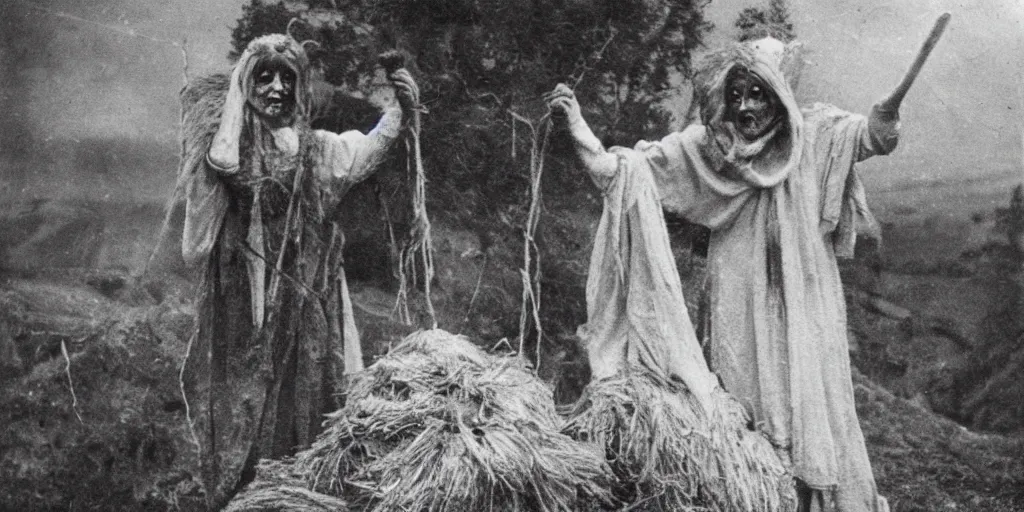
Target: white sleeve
350, 157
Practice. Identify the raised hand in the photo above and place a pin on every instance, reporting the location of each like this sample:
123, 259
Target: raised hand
563, 104
224, 149
566, 109
406, 90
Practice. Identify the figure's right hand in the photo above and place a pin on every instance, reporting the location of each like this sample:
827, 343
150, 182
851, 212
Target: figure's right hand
563, 104
223, 155
565, 110
235, 100
237, 80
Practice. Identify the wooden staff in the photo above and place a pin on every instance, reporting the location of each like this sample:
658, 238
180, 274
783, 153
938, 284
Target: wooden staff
896, 97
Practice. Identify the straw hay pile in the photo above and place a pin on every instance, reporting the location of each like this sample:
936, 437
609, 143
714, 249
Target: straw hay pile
670, 454
439, 425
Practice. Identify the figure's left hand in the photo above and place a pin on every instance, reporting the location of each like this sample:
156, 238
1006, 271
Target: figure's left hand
406, 90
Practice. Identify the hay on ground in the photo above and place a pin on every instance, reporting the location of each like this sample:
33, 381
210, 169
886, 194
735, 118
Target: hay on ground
279, 488
439, 425
670, 454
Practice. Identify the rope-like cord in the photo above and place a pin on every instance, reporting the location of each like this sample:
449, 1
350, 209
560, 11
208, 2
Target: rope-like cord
184, 396
531, 301
71, 384
420, 242
530, 271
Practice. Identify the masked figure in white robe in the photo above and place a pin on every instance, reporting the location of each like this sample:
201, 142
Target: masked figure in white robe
778, 189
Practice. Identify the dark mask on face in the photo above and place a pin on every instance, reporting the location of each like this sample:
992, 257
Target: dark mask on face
751, 106
273, 91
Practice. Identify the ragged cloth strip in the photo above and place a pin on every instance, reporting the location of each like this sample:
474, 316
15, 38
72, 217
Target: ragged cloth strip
677, 440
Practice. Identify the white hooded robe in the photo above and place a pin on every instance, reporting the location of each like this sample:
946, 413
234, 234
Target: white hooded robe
780, 210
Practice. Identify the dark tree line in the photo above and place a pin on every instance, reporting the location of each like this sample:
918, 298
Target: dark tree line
478, 62
756, 22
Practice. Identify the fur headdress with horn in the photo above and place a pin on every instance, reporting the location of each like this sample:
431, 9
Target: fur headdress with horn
276, 50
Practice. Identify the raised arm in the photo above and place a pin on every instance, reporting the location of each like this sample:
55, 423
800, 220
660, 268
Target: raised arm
352, 156
601, 164
883, 132
223, 156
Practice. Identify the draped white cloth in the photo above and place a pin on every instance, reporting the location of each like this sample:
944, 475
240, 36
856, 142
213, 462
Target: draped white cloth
780, 210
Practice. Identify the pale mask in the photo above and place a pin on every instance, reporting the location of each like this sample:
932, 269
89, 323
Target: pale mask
273, 91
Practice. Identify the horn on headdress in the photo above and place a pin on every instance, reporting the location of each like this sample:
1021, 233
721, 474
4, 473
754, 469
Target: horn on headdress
288, 28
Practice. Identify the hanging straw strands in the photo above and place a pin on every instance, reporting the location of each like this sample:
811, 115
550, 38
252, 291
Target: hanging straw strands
531, 279
530, 271
420, 243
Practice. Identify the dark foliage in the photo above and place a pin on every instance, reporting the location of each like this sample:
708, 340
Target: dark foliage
478, 62
755, 22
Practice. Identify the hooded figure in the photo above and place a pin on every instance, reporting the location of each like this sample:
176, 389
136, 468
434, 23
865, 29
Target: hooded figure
778, 189
275, 331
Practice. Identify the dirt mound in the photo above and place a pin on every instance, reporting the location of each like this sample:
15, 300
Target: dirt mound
926, 463
90, 412
949, 336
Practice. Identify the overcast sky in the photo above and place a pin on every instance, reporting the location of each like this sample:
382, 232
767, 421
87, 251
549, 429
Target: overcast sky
86, 70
